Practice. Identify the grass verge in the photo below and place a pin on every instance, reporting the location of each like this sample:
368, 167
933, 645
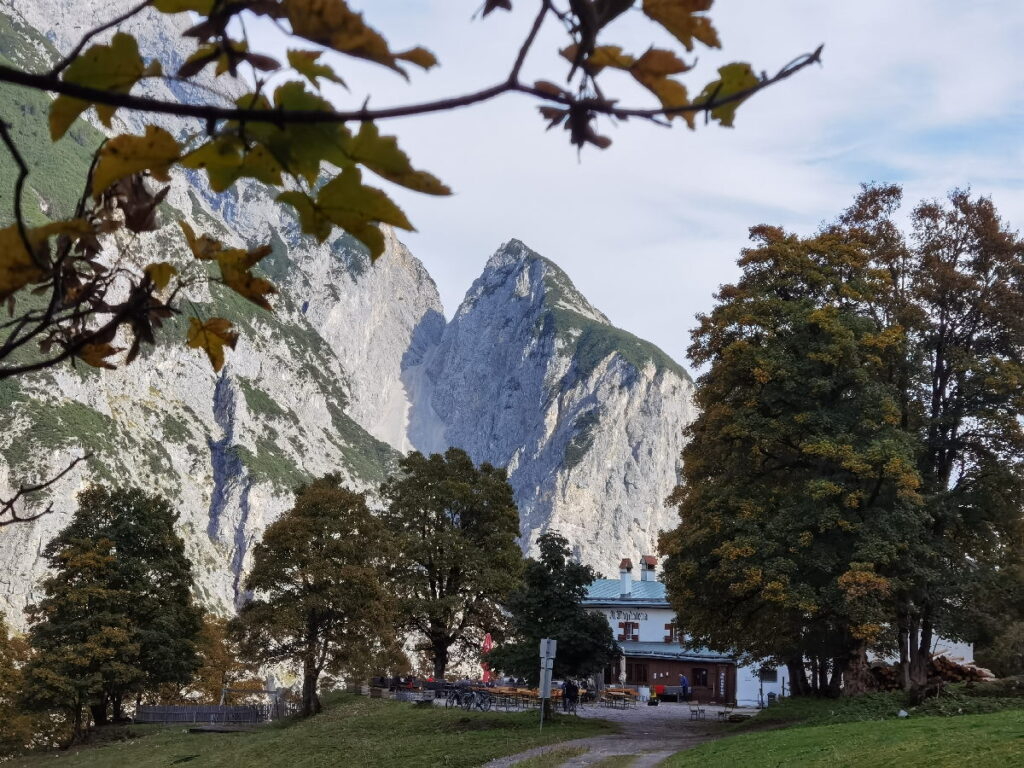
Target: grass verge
352, 730
993, 740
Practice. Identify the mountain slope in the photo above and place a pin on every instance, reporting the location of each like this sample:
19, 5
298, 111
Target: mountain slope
294, 400
588, 418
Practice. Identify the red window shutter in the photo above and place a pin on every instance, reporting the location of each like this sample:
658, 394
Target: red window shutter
669, 633
623, 628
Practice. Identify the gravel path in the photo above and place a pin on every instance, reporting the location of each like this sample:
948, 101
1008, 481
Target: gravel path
652, 733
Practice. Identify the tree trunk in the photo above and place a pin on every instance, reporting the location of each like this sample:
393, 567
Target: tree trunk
310, 675
857, 677
440, 659
835, 682
99, 712
822, 684
76, 724
797, 676
117, 705
920, 657
903, 623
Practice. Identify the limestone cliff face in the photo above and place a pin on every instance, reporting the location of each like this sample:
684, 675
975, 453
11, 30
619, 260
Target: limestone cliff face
307, 391
356, 364
588, 418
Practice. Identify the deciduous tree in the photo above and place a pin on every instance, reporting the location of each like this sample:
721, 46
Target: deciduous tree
321, 601
855, 474
454, 526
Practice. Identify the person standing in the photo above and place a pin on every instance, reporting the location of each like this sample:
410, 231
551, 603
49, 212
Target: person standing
684, 687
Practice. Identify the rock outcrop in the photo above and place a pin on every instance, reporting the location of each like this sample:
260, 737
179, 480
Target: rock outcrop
355, 365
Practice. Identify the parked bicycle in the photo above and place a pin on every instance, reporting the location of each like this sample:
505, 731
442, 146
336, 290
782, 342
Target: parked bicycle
468, 699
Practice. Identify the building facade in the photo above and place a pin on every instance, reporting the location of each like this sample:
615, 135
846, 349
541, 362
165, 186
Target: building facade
643, 622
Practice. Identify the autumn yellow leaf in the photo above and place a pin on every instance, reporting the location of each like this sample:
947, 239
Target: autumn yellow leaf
17, 267
124, 155
180, 6
235, 265
203, 246
333, 24
382, 155
311, 219
602, 56
115, 67
96, 355
212, 336
160, 274
419, 56
221, 158
733, 79
357, 209
684, 20
305, 63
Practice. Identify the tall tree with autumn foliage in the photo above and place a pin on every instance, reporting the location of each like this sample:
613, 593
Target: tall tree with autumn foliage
855, 472
799, 487
117, 616
321, 600
455, 526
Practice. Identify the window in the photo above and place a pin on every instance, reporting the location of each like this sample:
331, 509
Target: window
700, 678
630, 630
636, 673
769, 675
672, 633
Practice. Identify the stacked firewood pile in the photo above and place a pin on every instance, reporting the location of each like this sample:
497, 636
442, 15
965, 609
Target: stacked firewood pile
940, 670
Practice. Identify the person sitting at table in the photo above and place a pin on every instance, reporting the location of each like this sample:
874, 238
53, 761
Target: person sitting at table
570, 694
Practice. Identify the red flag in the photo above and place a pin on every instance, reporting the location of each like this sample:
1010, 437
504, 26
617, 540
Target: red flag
486, 648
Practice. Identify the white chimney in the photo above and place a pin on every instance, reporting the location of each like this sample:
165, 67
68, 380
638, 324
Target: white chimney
648, 568
626, 576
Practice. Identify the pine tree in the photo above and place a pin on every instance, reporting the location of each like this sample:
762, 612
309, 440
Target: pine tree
117, 617
549, 603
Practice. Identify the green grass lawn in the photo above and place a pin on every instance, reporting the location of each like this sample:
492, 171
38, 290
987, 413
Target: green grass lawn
993, 740
352, 730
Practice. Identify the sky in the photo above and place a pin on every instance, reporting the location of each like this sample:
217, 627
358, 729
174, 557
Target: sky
927, 94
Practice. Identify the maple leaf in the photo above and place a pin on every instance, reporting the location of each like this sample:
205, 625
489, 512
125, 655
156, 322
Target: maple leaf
124, 155
305, 63
235, 265
333, 24
382, 155
96, 355
203, 247
160, 274
212, 336
115, 67
733, 78
18, 268
682, 18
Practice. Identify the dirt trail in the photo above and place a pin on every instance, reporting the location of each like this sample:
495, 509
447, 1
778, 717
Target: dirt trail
651, 733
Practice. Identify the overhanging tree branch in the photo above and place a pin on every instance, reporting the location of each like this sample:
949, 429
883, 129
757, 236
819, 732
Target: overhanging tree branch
213, 113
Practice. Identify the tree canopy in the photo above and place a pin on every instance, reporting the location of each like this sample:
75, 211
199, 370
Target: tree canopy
454, 527
854, 472
549, 603
117, 616
321, 601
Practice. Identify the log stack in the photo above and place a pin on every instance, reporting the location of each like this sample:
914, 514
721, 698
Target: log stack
940, 670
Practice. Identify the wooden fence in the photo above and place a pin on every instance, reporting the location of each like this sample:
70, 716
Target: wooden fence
206, 713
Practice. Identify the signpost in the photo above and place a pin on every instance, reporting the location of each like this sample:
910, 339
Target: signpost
548, 649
